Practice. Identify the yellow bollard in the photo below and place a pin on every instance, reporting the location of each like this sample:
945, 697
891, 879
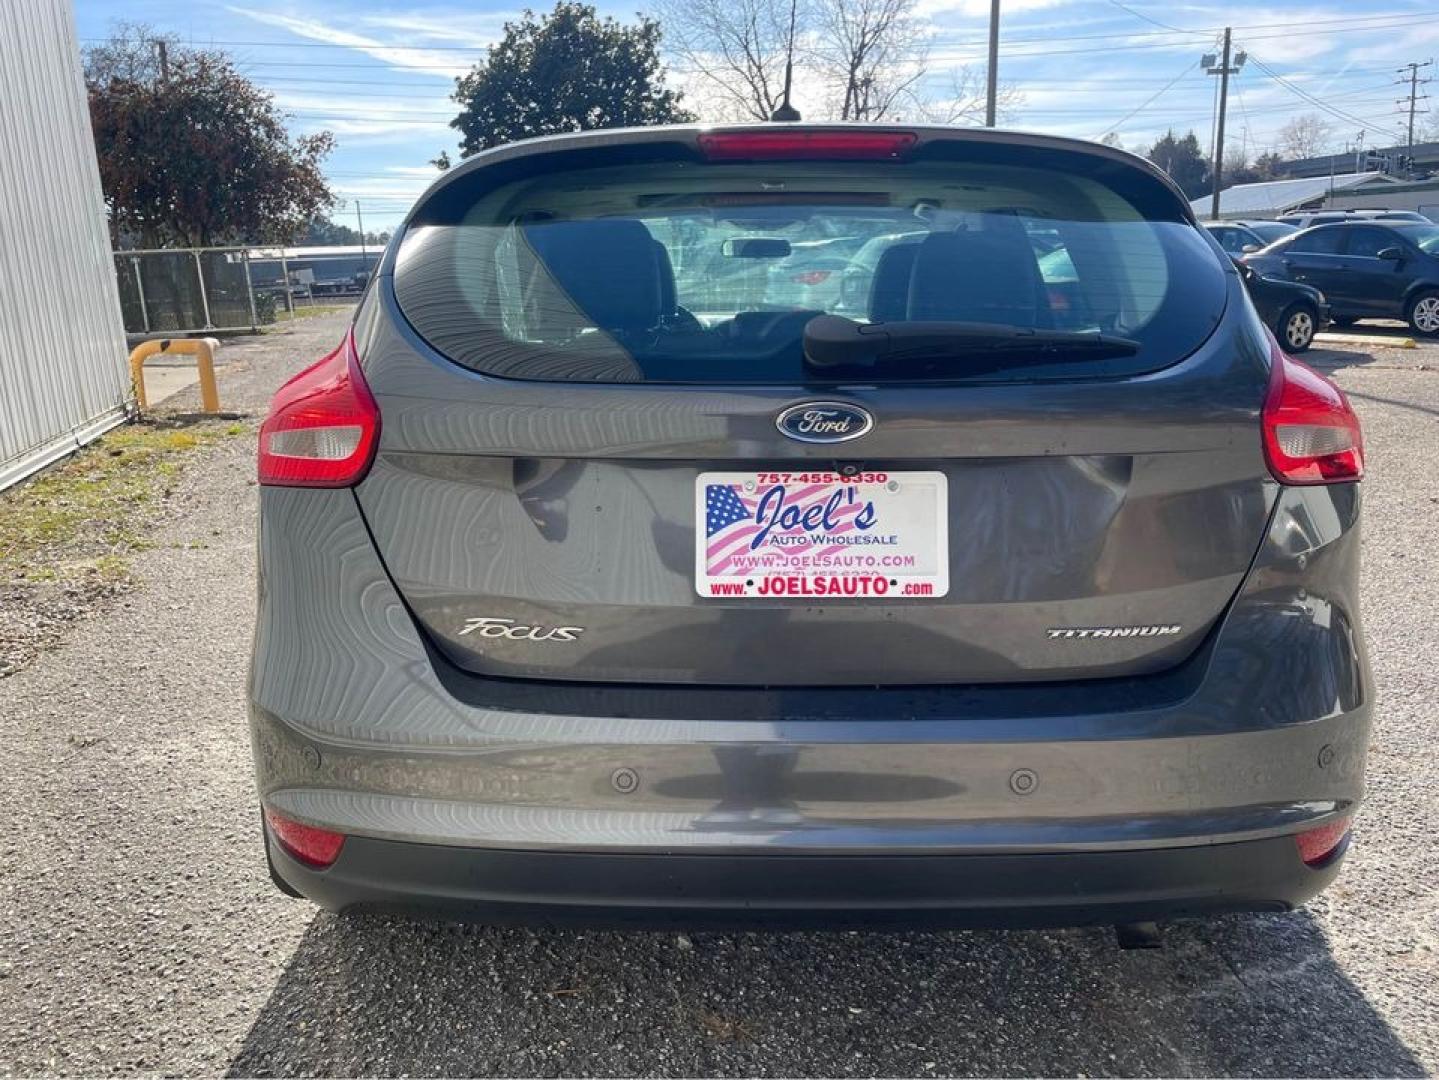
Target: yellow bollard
202, 349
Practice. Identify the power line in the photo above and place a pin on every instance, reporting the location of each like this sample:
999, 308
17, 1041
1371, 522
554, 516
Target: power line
1188, 70
1345, 25
1154, 22
938, 41
1331, 110
1091, 50
1355, 23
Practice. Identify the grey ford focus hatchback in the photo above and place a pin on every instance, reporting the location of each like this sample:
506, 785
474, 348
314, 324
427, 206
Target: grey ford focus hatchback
636, 558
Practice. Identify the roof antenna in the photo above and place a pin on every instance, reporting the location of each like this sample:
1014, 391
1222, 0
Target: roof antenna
787, 113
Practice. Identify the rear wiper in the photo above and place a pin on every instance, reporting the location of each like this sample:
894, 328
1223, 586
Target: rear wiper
834, 342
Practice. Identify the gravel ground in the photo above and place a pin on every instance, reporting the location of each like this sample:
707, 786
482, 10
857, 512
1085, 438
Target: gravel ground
139, 932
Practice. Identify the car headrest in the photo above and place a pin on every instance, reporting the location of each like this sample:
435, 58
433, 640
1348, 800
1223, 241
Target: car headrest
609, 268
889, 291
668, 299
975, 277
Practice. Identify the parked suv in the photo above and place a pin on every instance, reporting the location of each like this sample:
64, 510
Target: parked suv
1307, 218
1387, 270
588, 593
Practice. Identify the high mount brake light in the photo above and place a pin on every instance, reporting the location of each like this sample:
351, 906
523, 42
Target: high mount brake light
315, 847
323, 426
1311, 435
812, 145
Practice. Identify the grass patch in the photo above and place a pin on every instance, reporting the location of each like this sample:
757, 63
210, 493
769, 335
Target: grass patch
88, 513
67, 536
309, 311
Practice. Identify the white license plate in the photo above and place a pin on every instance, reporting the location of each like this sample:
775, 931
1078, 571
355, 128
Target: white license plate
777, 535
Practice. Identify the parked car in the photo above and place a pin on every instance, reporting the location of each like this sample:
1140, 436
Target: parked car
1305, 219
1027, 598
1269, 231
1234, 238
811, 275
1294, 312
1379, 269
1241, 237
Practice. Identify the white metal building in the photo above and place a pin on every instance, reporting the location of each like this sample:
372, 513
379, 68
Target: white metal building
64, 379
1270, 198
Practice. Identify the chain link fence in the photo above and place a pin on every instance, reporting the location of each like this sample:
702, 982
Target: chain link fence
189, 290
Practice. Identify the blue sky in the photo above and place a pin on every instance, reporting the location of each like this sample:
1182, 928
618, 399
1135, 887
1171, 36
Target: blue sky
377, 73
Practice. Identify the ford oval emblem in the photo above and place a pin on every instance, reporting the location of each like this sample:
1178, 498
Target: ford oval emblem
824, 422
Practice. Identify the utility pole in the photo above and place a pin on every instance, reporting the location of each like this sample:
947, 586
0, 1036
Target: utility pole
1223, 70
364, 258
991, 87
164, 49
1414, 83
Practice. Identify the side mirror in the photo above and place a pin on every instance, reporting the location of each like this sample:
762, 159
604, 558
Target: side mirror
1249, 249
1392, 254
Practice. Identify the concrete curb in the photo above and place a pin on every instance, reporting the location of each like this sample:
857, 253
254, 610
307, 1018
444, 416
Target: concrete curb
1370, 341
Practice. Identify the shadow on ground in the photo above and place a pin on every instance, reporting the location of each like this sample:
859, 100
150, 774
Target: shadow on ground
1248, 995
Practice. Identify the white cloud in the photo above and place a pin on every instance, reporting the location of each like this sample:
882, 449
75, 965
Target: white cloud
399, 57
976, 9
422, 172
459, 27
381, 188
379, 126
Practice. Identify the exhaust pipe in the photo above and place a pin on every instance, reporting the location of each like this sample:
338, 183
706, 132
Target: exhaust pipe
1138, 935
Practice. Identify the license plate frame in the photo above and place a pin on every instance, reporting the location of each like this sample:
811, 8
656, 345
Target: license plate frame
874, 536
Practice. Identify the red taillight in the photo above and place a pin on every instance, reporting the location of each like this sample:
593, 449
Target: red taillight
1316, 845
316, 848
1311, 435
323, 426
811, 277
801, 145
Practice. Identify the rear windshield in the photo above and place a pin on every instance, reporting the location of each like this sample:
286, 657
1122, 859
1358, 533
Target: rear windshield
683, 272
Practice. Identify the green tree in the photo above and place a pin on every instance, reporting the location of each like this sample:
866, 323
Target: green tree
566, 71
1182, 159
1268, 166
191, 152
327, 232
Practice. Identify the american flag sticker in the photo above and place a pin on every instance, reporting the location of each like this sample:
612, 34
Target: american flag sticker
818, 534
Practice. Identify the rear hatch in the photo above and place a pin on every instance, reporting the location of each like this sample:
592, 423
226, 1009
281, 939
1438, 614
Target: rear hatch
614, 448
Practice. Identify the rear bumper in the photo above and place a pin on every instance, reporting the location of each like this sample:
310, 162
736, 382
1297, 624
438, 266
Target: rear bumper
1103, 800
777, 891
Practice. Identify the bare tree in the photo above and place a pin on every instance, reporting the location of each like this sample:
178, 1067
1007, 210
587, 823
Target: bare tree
870, 57
963, 100
871, 53
1305, 136
734, 50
